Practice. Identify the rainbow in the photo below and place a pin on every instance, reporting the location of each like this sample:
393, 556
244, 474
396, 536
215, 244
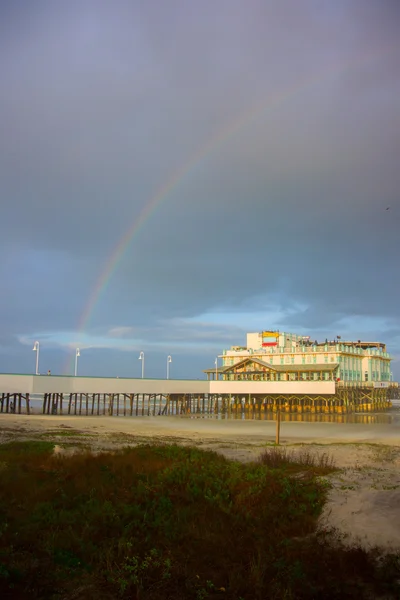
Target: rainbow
172, 183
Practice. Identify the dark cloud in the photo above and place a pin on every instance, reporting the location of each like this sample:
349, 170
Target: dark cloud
285, 214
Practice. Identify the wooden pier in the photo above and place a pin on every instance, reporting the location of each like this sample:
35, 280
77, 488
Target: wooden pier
345, 400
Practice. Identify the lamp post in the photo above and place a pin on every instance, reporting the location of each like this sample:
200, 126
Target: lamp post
141, 357
216, 368
169, 361
77, 353
36, 349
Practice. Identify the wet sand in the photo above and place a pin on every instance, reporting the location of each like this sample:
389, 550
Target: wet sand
244, 430
364, 500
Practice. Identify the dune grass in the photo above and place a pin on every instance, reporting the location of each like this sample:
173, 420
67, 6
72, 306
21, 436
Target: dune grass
169, 522
304, 459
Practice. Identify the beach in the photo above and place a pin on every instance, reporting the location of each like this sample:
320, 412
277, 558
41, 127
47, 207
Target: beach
364, 499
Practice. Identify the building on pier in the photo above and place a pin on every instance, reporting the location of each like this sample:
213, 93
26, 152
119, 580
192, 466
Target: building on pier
281, 356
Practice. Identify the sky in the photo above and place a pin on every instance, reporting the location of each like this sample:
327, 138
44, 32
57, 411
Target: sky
176, 174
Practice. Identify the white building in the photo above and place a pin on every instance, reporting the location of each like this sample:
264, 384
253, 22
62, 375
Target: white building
295, 357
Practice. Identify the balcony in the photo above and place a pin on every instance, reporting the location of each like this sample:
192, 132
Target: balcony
338, 348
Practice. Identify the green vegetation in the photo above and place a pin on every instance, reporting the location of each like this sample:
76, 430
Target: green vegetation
167, 522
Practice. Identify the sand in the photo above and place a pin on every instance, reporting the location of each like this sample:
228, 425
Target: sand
364, 500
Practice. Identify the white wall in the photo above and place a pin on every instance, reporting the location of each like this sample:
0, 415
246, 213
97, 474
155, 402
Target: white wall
16, 384
40, 384
254, 341
272, 387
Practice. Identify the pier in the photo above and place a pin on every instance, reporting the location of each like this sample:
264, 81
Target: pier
156, 397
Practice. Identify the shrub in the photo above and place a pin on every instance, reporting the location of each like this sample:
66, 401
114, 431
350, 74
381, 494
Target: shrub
159, 522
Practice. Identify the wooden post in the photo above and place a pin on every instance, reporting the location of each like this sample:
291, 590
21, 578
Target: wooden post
117, 405
80, 404
124, 405
278, 426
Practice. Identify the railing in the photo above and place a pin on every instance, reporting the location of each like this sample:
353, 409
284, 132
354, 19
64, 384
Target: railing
309, 350
367, 384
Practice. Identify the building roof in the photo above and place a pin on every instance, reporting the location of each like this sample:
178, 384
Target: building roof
288, 368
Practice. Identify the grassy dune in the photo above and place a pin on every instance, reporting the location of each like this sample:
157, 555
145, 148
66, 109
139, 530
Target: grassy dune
159, 522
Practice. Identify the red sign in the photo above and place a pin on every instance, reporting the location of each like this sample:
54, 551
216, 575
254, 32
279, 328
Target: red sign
270, 344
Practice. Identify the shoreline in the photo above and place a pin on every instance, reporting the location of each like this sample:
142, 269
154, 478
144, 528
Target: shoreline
248, 430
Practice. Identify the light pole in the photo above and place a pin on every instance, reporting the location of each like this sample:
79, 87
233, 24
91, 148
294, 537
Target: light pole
141, 357
36, 349
216, 368
169, 360
77, 353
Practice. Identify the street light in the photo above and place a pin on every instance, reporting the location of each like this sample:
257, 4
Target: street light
77, 353
169, 360
216, 368
141, 357
36, 349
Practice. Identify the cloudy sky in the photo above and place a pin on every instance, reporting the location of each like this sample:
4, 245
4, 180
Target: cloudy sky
175, 174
